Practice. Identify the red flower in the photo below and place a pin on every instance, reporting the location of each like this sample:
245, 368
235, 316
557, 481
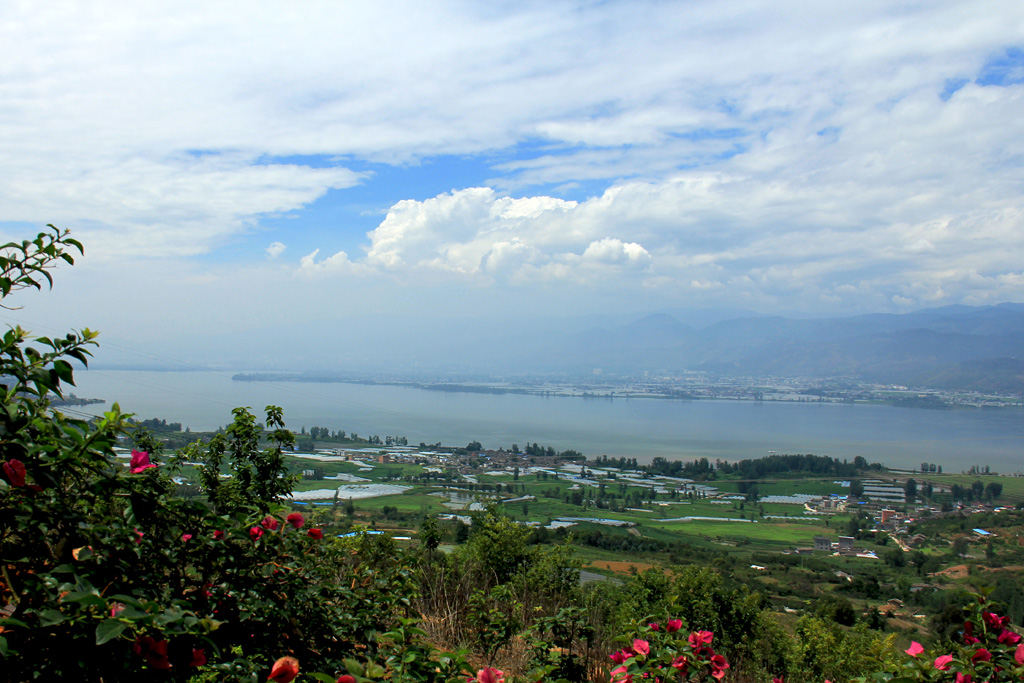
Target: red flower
138, 536
255, 533
296, 520
718, 666
641, 647
673, 625
218, 535
346, 678
140, 462
15, 471
315, 534
698, 638
981, 655
778, 679
942, 663
619, 675
1008, 637
1019, 654
153, 651
915, 649
963, 678
186, 537
653, 626
198, 657
284, 670
269, 523
680, 664
621, 656
994, 620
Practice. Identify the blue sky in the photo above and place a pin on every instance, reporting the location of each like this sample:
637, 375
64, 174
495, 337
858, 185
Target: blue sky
239, 166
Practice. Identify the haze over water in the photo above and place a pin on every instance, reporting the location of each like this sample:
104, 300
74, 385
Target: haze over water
640, 428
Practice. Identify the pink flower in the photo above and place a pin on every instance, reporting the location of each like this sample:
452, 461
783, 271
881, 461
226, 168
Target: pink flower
963, 678
138, 536
284, 670
641, 647
255, 533
489, 675
296, 520
15, 471
673, 625
915, 649
653, 626
186, 537
269, 523
116, 609
981, 655
1019, 654
198, 657
942, 663
315, 534
778, 679
140, 462
699, 638
218, 535
620, 676
1008, 637
346, 678
680, 664
621, 656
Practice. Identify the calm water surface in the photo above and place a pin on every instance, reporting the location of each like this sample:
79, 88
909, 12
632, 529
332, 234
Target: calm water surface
641, 428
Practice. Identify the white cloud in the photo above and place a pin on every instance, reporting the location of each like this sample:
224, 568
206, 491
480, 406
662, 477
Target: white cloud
615, 251
740, 151
275, 249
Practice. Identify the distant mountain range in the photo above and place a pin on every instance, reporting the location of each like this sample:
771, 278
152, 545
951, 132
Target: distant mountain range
954, 347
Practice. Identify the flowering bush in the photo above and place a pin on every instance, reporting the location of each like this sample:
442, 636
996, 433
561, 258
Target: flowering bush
663, 652
106, 574
988, 651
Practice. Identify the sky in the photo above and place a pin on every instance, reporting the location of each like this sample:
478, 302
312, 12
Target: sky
325, 168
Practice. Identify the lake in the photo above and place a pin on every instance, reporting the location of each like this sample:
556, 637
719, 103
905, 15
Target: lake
640, 428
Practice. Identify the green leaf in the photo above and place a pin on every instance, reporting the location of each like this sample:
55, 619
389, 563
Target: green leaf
85, 597
64, 371
108, 630
322, 677
50, 617
374, 670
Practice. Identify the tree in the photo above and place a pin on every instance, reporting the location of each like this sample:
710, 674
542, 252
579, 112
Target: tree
910, 490
259, 478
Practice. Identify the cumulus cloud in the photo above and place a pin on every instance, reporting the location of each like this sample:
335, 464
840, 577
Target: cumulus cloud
615, 251
275, 249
